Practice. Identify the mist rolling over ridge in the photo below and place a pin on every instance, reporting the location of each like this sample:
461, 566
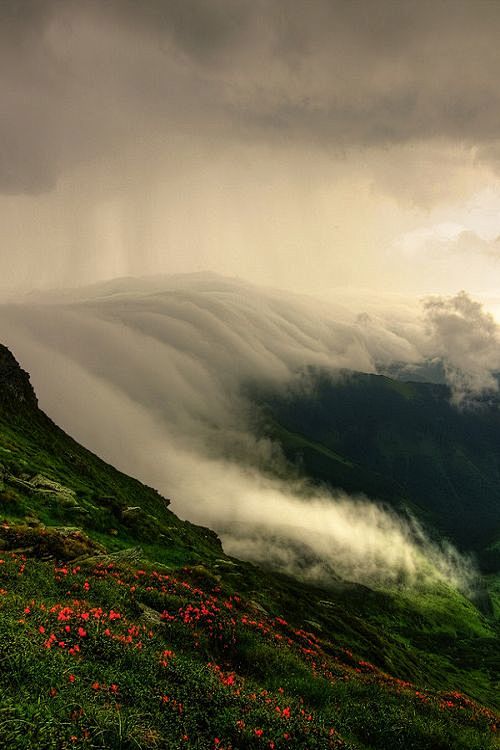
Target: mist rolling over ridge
152, 374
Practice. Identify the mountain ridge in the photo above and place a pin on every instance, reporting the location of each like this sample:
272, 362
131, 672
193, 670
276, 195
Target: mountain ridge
401, 442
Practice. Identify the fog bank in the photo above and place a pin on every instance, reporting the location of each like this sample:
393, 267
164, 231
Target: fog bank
148, 374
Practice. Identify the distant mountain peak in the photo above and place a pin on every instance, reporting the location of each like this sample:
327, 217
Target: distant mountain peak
15, 386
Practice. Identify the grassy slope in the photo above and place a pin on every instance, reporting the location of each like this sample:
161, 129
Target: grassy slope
401, 443
188, 648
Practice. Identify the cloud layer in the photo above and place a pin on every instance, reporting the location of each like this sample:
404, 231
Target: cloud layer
82, 79
149, 374
245, 138
466, 339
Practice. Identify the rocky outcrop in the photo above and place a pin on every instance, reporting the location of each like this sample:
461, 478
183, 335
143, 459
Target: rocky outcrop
45, 542
15, 386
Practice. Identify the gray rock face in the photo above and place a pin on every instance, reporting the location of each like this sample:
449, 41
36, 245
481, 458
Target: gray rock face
44, 486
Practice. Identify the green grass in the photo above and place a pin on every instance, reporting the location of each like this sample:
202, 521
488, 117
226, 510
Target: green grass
207, 652
170, 660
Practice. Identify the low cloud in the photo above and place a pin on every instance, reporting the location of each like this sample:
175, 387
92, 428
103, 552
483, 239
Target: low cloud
466, 338
149, 374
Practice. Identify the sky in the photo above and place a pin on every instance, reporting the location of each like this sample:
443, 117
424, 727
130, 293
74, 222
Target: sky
319, 146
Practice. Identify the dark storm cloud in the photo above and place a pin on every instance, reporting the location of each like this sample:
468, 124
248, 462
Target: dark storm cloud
203, 28
79, 80
27, 160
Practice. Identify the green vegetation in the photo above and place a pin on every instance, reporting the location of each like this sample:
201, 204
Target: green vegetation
99, 654
122, 626
402, 443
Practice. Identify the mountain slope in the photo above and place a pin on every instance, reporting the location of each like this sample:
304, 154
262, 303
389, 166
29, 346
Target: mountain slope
123, 626
400, 442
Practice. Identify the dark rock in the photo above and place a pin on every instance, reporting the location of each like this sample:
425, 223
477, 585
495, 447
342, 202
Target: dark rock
15, 386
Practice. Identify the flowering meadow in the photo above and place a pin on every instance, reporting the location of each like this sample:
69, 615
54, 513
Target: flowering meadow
104, 655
